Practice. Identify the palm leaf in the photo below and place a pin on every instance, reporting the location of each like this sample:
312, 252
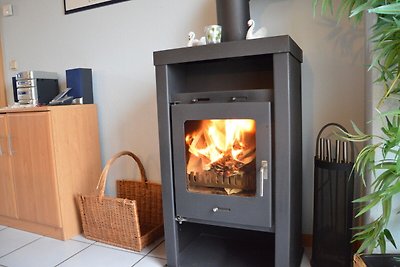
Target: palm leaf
389, 237
393, 9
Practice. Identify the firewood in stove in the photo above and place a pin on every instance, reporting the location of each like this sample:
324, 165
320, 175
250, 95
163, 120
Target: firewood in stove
211, 179
231, 191
226, 166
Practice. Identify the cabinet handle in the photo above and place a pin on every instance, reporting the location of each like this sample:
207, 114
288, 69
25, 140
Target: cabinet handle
1, 150
10, 150
263, 175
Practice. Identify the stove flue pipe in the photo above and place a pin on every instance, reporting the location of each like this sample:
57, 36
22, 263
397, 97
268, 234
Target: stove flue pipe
233, 16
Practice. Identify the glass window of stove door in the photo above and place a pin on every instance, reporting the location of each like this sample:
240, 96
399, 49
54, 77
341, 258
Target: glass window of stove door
221, 156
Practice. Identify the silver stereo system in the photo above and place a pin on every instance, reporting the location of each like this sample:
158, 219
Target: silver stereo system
36, 87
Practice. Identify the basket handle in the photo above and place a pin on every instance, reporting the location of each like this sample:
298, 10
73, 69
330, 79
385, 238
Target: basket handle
102, 181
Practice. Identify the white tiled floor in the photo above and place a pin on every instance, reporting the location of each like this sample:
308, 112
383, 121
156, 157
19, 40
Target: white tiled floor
22, 249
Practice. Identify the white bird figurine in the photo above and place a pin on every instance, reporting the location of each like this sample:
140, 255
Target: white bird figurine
195, 42
260, 33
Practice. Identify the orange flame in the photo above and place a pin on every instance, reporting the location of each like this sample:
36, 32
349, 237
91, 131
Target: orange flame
219, 139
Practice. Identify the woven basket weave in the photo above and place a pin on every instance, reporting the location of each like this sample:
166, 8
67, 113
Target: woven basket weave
132, 220
358, 261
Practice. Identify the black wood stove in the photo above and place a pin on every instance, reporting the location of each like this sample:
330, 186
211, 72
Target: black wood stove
230, 143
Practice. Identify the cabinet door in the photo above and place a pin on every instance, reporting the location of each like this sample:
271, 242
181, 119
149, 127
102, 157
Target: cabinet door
33, 168
7, 197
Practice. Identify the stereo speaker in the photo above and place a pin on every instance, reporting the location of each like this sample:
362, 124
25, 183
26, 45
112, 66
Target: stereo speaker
80, 82
14, 84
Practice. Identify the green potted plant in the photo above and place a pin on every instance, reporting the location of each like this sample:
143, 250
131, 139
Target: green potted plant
380, 155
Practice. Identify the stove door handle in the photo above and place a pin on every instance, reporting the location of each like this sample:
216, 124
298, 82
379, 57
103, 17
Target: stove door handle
263, 176
217, 209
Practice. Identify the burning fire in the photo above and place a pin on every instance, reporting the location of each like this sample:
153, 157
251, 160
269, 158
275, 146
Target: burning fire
222, 145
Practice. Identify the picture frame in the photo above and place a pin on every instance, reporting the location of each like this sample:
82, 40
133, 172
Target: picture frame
72, 6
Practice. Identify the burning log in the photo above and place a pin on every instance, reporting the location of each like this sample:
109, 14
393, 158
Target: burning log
225, 178
227, 167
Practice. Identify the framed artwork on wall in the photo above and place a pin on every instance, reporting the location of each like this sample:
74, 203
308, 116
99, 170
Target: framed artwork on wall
72, 6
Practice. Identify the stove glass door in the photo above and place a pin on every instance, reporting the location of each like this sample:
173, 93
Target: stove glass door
220, 156
222, 159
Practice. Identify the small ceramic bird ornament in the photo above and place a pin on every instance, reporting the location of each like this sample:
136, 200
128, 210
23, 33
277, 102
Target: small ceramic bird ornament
260, 33
195, 42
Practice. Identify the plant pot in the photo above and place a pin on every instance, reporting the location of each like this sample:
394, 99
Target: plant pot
377, 260
233, 16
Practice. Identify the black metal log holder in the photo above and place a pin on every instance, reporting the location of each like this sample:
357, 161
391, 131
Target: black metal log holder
333, 195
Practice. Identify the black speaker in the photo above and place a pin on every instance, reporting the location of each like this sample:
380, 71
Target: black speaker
14, 84
80, 82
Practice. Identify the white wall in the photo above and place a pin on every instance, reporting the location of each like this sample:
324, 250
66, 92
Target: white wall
117, 42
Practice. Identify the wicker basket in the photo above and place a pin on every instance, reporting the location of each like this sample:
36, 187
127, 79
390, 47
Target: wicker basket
132, 220
358, 261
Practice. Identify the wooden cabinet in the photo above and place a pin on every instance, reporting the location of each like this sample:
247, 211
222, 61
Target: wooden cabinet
7, 194
52, 156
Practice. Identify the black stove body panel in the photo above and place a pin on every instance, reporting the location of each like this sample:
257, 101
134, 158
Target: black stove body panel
257, 80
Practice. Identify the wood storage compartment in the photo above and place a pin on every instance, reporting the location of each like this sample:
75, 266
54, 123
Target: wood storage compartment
132, 220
